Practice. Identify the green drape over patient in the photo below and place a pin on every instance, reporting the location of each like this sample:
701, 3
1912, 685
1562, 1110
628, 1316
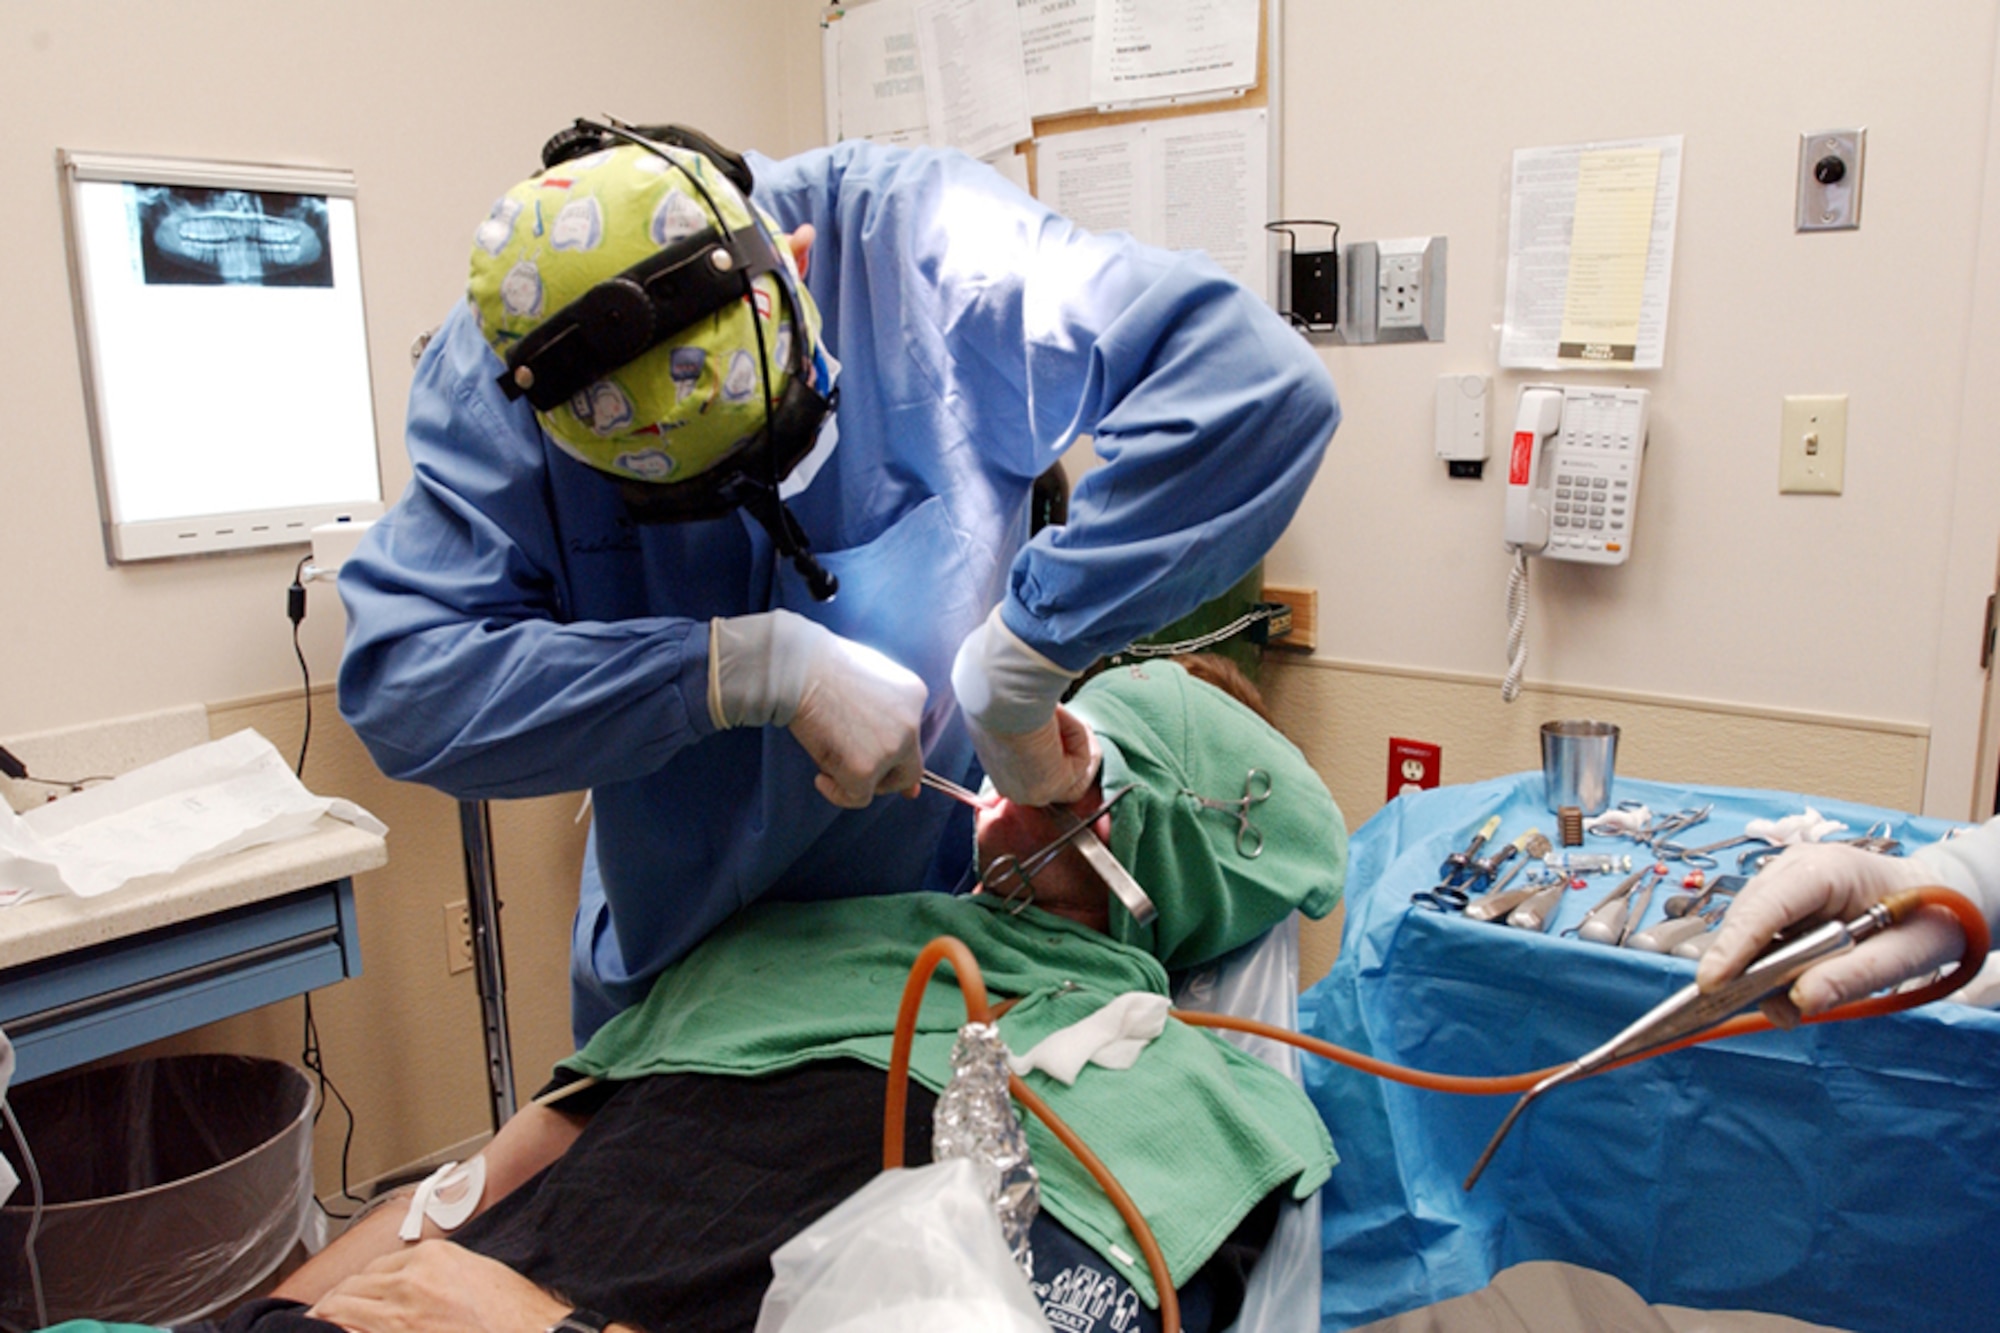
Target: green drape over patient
1196, 1131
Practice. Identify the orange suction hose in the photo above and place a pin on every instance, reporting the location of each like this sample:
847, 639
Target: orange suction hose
1971, 923
973, 986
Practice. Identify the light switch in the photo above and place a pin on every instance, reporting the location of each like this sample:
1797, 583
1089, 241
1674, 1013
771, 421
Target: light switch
1812, 448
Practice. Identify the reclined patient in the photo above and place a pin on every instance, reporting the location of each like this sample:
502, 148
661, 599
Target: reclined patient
744, 1097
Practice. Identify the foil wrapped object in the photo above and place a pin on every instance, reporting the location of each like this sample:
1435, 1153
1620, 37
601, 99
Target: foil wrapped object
975, 1120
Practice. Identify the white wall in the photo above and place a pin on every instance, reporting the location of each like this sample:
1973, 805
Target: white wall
1401, 120
437, 108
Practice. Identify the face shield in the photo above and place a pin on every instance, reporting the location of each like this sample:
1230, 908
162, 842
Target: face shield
657, 324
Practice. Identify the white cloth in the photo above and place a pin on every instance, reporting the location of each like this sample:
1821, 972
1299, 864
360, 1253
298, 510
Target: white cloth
1112, 1037
1811, 826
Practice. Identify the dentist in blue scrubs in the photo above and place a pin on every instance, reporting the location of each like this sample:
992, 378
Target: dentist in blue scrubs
720, 511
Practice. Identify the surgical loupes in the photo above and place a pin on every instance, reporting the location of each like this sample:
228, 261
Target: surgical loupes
1689, 1010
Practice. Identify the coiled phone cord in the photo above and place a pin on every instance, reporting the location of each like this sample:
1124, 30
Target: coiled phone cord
1517, 627
973, 986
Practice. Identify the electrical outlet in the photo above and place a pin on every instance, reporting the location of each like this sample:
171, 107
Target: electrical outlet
457, 938
1812, 446
1396, 291
1413, 766
1399, 290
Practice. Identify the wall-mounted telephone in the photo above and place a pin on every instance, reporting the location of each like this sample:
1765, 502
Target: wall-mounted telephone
1572, 490
1573, 472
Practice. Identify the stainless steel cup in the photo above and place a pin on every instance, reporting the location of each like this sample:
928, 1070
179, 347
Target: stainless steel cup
1577, 763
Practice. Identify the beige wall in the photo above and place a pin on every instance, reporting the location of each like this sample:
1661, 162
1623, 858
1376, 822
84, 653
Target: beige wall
1797, 642
1401, 120
436, 108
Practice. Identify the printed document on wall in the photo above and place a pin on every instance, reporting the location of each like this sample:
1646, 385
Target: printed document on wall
975, 86
880, 73
1590, 255
1188, 183
1055, 52
1149, 50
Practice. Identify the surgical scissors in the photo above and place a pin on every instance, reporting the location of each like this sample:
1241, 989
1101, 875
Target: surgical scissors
1256, 790
1017, 873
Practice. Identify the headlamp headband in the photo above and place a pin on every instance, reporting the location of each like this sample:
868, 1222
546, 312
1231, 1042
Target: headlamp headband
627, 315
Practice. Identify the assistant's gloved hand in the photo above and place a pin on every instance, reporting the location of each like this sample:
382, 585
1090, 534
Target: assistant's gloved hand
856, 712
1816, 882
1035, 752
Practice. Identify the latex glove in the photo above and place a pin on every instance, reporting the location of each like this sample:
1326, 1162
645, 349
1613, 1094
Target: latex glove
438, 1287
1816, 882
856, 712
1034, 752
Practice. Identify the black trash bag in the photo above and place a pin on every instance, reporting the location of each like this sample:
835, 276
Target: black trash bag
171, 1187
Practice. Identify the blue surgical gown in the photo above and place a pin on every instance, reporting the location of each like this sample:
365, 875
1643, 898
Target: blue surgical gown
512, 633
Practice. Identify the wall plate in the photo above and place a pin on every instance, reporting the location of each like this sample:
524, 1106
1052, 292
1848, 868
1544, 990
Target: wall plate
1829, 197
1395, 290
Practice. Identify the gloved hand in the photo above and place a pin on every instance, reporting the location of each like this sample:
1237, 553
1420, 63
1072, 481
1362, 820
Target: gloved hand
1815, 882
856, 712
1035, 752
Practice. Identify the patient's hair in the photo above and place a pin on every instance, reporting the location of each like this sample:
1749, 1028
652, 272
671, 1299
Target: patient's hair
1223, 673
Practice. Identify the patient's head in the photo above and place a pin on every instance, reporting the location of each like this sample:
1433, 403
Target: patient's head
1176, 732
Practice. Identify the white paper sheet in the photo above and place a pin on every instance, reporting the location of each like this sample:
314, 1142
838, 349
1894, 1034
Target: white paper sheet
1056, 54
205, 802
1100, 179
1566, 226
1147, 50
975, 89
881, 72
1188, 183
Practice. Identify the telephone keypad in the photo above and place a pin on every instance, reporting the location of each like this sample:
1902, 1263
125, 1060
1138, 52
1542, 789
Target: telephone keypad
1595, 464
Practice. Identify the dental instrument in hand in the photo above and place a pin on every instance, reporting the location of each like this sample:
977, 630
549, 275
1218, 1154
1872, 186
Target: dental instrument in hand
963, 795
1115, 876
1690, 1011
1012, 877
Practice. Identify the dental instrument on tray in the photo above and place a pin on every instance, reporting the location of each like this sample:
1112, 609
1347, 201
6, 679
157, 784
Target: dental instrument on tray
1690, 1011
1463, 874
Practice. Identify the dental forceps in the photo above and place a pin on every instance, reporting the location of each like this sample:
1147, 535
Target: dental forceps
1012, 877
1688, 1010
1256, 790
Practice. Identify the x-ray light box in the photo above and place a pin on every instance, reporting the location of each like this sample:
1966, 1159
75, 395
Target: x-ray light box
225, 356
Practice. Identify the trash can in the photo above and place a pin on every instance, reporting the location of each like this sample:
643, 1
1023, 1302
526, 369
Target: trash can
171, 1187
